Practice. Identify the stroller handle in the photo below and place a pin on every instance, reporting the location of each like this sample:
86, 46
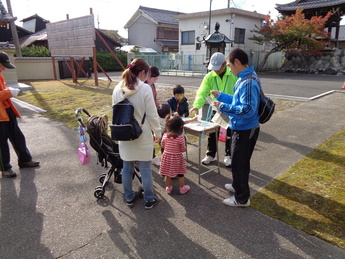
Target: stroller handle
79, 112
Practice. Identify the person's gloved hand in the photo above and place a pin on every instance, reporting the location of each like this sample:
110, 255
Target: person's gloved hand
14, 91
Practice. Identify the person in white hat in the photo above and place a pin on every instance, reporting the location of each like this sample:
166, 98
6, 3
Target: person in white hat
9, 129
222, 79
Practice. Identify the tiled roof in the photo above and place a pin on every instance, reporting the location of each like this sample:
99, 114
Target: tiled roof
308, 4
6, 45
160, 16
4, 15
34, 17
168, 43
37, 36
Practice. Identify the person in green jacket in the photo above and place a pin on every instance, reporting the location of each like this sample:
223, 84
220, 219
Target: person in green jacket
219, 78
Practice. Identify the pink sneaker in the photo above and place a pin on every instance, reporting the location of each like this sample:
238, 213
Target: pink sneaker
184, 189
169, 189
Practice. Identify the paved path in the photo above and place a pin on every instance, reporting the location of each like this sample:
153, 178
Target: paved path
50, 211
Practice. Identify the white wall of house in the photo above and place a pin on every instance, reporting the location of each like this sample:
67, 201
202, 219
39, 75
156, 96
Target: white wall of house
198, 22
142, 33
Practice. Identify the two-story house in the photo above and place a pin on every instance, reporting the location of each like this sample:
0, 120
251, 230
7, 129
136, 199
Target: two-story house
160, 27
234, 23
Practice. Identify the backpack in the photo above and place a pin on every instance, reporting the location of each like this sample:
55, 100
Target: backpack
266, 105
266, 108
124, 125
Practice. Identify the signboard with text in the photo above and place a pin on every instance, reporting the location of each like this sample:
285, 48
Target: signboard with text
72, 37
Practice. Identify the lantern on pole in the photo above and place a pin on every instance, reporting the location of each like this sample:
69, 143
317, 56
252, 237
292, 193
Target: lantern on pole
215, 42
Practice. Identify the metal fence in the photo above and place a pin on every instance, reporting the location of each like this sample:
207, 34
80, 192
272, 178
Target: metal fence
194, 65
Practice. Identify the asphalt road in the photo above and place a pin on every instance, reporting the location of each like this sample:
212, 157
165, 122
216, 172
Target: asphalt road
279, 85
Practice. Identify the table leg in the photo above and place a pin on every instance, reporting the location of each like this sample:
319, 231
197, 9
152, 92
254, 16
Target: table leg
217, 150
199, 158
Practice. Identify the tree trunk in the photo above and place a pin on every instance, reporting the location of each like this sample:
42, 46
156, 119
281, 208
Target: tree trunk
263, 63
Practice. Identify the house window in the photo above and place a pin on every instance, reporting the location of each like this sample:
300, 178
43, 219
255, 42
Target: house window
239, 35
188, 37
167, 33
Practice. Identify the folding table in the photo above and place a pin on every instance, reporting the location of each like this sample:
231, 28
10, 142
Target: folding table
201, 129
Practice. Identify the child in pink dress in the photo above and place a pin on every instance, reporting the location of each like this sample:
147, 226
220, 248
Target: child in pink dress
173, 163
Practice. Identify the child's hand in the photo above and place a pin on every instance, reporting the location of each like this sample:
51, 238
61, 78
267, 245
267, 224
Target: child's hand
175, 114
193, 111
156, 140
195, 119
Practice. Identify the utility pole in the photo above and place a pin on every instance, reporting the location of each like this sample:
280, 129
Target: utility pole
209, 19
14, 30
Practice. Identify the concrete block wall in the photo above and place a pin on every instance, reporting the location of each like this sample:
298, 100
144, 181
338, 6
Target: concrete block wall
36, 69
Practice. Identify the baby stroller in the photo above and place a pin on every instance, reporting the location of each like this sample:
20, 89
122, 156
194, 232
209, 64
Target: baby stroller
107, 150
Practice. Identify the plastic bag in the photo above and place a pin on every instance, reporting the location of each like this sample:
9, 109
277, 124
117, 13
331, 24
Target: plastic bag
83, 154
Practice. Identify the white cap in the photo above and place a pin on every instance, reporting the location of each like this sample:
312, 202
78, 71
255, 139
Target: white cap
216, 61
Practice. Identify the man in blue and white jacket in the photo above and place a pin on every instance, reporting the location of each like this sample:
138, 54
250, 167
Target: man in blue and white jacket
242, 109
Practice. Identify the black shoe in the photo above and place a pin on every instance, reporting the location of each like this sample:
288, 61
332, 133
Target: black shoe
28, 164
150, 204
8, 173
130, 204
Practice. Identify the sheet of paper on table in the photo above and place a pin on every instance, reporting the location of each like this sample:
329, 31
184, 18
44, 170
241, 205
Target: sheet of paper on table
200, 125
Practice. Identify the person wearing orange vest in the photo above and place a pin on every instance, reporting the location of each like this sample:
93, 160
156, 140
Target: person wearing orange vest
9, 128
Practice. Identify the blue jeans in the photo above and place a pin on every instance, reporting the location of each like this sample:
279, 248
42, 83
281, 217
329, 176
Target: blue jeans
146, 180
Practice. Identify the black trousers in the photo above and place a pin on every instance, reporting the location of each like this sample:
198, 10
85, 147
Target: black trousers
211, 145
9, 130
242, 147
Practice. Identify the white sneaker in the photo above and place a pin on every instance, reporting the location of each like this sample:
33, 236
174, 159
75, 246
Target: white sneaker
207, 160
156, 161
227, 161
233, 203
229, 187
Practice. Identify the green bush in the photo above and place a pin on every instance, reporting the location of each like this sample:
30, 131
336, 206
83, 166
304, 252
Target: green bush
105, 59
35, 51
109, 63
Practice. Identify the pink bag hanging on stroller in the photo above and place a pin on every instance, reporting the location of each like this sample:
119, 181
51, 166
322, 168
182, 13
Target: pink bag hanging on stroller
83, 154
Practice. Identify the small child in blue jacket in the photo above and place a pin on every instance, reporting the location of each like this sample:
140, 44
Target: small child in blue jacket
178, 103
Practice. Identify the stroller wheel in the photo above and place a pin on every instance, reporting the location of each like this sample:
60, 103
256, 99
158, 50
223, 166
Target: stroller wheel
99, 192
102, 177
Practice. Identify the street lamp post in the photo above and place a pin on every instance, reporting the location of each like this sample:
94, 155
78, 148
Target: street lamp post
209, 19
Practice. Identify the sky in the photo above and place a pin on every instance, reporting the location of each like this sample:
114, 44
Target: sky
114, 14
